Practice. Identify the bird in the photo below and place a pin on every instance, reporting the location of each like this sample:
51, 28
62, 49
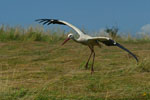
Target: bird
85, 39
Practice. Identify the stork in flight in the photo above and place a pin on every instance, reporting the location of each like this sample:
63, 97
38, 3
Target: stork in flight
85, 39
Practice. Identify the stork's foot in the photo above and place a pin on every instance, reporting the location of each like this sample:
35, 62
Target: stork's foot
92, 71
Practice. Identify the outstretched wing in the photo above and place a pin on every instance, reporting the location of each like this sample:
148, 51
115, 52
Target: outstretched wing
109, 42
55, 21
120, 46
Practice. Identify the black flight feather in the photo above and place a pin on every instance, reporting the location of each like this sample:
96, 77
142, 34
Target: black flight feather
111, 42
49, 21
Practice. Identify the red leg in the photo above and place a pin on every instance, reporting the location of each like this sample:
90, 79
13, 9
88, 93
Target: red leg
86, 66
92, 68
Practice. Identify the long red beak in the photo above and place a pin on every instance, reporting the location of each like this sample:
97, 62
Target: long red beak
65, 41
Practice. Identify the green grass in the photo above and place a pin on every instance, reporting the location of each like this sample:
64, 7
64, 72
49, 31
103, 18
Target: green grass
37, 33
40, 69
44, 71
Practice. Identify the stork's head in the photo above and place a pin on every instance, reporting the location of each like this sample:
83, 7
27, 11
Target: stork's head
70, 36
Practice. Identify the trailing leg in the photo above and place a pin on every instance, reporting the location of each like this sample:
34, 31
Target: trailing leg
92, 68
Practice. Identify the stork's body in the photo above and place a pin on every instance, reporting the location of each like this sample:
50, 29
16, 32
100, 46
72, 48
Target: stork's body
86, 39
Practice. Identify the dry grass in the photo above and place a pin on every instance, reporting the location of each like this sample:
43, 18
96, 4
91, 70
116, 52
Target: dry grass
48, 71
34, 66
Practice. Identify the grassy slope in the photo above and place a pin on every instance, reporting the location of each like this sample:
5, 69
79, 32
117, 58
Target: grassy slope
48, 71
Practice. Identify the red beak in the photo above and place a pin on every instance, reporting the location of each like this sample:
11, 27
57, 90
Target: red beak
65, 41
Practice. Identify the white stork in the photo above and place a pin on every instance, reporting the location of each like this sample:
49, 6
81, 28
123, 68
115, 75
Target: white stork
85, 39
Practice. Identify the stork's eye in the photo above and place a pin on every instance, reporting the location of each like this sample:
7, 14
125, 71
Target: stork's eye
70, 36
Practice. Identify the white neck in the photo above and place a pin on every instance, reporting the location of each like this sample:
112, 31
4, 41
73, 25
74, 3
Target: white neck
75, 39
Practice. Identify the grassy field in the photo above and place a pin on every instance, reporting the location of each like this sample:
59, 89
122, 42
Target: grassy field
37, 67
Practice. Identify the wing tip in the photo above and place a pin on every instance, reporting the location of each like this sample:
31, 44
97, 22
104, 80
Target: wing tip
37, 20
137, 60
49, 21
134, 56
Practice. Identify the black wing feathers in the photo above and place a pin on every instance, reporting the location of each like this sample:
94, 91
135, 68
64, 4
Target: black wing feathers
111, 42
49, 21
120, 46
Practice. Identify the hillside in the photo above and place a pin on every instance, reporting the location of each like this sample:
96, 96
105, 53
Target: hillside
37, 70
